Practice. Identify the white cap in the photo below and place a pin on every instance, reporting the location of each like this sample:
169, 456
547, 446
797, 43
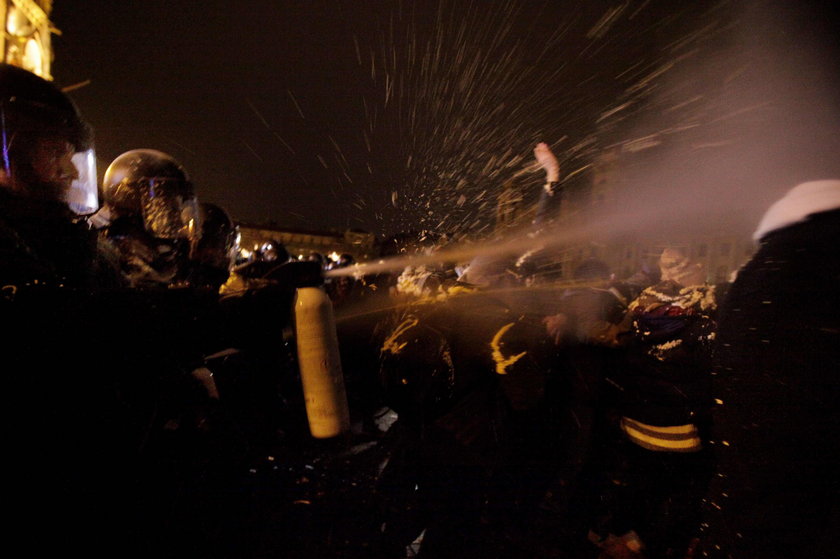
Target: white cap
800, 202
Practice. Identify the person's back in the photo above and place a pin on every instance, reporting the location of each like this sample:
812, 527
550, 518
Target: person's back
778, 354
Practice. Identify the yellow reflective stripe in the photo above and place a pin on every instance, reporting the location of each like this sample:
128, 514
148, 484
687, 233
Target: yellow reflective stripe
502, 362
668, 429
653, 443
391, 345
689, 442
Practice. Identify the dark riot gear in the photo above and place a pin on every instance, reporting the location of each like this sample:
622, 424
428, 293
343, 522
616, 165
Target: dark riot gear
217, 249
219, 242
155, 188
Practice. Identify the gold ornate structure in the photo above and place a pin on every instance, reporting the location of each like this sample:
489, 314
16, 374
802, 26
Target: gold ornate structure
27, 33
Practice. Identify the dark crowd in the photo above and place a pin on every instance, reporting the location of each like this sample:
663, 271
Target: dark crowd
166, 397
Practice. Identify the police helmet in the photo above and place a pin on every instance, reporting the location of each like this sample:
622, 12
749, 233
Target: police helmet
47, 147
219, 243
153, 187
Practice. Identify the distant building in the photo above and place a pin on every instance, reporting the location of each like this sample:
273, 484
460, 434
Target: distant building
301, 243
26, 38
722, 253
510, 207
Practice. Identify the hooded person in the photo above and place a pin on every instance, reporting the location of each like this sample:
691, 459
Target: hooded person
778, 352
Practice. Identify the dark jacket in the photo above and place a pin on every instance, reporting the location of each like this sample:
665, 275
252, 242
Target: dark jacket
778, 358
144, 260
85, 362
44, 242
665, 379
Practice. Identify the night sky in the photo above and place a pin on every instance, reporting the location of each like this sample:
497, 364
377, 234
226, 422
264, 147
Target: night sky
390, 116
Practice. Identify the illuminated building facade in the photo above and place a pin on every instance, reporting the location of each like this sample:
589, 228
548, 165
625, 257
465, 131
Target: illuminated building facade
27, 32
299, 243
721, 254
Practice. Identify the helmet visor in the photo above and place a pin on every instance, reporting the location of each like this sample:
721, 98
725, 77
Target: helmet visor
169, 212
82, 196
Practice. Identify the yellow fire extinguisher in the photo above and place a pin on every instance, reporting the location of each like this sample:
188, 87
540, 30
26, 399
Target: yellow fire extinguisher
320, 364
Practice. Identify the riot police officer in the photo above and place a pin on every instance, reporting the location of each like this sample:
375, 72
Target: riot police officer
217, 249
47, 185
152, 218
85, 359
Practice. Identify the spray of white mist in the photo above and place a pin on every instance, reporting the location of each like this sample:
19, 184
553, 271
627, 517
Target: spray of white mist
699, 138
733, 124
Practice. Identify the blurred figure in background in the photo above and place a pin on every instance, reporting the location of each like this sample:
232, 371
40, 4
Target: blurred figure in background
340, 287
585, 335
550, 195
264, 263
662, 460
